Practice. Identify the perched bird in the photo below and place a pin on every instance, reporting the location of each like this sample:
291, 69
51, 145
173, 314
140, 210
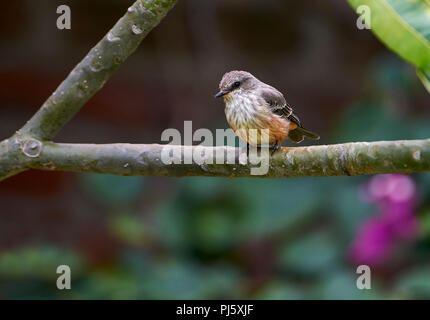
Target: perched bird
252, 104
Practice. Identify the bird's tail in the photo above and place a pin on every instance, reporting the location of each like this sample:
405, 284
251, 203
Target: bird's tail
298, 134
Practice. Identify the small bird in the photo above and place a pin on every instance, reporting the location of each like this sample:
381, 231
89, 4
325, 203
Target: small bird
252, 104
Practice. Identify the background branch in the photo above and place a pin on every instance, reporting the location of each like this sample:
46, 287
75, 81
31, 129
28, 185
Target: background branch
94, 70
83, 82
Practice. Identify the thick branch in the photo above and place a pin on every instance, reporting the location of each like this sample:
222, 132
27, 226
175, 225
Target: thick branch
328, 160
95, 69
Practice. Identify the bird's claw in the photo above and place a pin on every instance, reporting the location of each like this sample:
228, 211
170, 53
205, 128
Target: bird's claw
274, 148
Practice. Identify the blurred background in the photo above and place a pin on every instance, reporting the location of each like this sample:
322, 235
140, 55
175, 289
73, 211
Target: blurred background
207, 238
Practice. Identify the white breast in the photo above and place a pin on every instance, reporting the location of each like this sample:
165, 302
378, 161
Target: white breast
242, 109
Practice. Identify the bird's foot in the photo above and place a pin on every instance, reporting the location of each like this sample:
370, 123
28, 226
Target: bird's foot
274, 148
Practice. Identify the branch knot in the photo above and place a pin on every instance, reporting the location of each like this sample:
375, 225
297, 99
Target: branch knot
32, 148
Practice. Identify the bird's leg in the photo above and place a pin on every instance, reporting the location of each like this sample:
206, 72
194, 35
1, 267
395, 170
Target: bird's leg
274, 147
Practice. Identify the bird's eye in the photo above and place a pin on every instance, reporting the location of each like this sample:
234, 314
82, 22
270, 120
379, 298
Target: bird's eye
236, 84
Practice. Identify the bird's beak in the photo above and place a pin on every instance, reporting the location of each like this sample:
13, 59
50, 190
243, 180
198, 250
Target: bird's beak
222, 93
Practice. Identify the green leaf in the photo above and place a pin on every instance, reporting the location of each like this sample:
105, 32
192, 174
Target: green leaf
129, 229
39, 262
178, 279
414, 285
425, 78
404, 27
275, 204
277, 289
340, 284
314, 254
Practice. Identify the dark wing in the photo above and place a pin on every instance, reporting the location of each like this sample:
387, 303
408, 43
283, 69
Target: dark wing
293, 118
278, 105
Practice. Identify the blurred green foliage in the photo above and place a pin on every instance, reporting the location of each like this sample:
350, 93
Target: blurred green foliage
404, 27
113, 190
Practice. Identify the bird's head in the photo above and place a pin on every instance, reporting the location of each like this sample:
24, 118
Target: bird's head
235, 80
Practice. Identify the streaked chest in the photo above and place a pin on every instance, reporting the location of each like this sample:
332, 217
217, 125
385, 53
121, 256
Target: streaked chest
244, 110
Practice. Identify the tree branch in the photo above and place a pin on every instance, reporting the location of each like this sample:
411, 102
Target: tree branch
94, 70
82, 83
406, 156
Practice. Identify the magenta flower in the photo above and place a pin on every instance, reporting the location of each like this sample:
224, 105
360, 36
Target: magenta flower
395, 197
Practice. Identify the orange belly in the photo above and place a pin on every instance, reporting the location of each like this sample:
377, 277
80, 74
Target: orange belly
271, 129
